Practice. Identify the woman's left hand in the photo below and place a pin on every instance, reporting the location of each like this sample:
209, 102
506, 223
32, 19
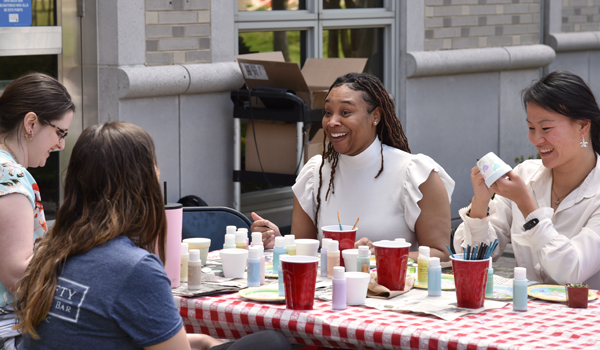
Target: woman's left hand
513, 187
367, 242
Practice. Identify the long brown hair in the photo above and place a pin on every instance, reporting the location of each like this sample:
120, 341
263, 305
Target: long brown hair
111, 190
33, 92
389, 130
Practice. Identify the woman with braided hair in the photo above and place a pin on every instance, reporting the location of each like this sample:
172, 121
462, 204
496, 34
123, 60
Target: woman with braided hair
367, 171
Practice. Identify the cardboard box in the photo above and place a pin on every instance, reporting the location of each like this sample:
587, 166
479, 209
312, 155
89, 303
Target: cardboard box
310, 84
277, 140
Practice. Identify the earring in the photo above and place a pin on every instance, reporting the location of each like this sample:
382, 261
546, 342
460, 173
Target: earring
583, 143
29, 136
375, 123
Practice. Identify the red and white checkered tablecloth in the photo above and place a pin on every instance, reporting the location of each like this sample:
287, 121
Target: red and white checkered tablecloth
545, 325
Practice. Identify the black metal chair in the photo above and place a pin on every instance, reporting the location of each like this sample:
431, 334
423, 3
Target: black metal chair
210, 222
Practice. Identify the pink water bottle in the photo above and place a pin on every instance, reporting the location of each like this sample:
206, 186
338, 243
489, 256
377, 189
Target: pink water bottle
174, 213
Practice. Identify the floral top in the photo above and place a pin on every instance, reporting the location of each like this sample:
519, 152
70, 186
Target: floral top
14, 178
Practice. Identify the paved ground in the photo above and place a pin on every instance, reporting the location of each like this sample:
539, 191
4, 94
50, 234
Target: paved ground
505, 265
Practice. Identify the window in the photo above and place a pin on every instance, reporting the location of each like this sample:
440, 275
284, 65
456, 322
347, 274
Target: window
321, 28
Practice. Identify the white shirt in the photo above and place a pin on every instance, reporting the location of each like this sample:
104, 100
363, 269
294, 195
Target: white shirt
564, 247
387, 206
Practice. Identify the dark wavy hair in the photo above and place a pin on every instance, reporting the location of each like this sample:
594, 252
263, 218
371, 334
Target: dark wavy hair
567, 94
34, 92
389, 130
111, 190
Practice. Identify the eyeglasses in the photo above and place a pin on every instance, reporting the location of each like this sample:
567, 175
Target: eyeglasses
61, 133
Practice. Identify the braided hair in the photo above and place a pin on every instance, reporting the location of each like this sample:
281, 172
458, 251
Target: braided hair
389, 130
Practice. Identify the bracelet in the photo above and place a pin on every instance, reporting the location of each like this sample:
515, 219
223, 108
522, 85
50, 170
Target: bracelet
469, 212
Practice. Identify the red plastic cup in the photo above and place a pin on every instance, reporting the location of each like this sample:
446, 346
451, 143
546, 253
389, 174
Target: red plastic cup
346, 237
470, 278
392, 260
299, 278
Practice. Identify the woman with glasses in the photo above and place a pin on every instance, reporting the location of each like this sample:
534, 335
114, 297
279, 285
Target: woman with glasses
35, 112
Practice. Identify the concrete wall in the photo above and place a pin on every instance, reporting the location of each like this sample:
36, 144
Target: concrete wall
186, 108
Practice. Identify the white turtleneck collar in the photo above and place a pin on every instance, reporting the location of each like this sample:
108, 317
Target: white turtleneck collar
363, 159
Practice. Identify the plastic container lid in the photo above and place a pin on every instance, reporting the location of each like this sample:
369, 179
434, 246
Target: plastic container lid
325, 243
400, 240
256, 237
240, 236
184, 248
243, 229
289, 239
339, 272
520, 273
254, 252
363, 250
230, 238
333, 245
194, 255
423, 250
434, 262
279, 242
230, 229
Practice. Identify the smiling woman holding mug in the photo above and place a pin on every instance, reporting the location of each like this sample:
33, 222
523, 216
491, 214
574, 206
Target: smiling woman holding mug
549, 209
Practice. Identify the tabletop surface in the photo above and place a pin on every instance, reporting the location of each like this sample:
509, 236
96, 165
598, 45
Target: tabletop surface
544, 325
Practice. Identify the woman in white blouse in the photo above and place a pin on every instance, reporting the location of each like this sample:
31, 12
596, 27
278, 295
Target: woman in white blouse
367, 171
549, 209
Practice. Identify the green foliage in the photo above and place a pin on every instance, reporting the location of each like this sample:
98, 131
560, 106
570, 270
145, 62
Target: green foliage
263, 42
577, 285
519, 160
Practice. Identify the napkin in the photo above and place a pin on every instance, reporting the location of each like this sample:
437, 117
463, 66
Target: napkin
378, 291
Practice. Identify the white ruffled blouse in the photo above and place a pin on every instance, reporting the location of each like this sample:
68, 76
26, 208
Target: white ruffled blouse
387, 205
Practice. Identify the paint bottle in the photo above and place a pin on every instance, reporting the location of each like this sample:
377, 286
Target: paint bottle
280, 277
256, 237
423, 264
185, 257
194, 270
229, 241
245, 230
230, 230
241, 239
520, 289
338, 292
324, 246
333, 257
262, 262
290, 245
277, 252
434, 277
254, 267
364, 258
489, 286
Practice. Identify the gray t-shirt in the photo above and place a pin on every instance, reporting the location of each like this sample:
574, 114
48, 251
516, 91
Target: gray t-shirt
116, 296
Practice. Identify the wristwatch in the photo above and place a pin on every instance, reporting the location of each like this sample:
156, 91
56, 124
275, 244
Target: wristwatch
530, 224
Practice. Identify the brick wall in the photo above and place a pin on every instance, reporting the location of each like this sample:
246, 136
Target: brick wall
464, 24
580, 16
177, 31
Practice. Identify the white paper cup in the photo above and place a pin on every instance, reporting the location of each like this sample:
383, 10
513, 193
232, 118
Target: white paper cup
357, 284
350, 259
234, 262
308, 247
492, 168
202, 244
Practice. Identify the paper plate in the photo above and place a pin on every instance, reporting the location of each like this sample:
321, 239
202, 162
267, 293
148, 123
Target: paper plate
553, 292
265, 293
447, 283
502, 293
269, 271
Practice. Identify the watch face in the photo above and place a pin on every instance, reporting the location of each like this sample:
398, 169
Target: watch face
530, 224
